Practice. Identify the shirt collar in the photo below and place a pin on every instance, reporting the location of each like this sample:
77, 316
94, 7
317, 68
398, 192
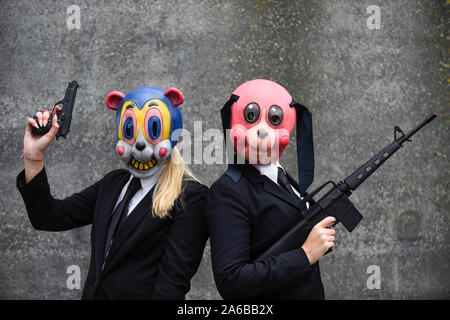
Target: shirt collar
269, 170
148, 183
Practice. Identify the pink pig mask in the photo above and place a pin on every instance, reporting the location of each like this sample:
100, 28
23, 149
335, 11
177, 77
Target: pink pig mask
261, 122
260, 115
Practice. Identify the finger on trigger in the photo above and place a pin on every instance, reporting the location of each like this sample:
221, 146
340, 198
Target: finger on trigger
327, 221
58, 109
330, 220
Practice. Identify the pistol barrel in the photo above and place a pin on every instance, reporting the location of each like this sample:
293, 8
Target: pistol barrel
68, 102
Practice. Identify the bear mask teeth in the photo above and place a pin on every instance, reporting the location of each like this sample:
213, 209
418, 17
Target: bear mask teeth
142, 165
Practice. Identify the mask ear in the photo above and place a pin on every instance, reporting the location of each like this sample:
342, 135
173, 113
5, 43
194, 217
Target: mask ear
113, 99
175, 96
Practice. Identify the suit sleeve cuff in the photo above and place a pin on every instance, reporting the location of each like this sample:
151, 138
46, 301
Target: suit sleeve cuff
38, 180
299, 263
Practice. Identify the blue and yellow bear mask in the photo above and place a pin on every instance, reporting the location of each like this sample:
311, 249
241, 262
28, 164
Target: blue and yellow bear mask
148, 125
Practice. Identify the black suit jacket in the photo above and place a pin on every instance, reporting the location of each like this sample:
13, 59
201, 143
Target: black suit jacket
246, 213
151, 258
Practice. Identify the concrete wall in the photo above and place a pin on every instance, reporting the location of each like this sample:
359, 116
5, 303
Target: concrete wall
358, 82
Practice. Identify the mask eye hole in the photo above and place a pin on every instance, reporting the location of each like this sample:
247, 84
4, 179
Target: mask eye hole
251, 112
275, 115
128, 128
154, 127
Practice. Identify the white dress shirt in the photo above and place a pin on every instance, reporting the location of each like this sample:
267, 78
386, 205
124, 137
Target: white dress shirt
146, 185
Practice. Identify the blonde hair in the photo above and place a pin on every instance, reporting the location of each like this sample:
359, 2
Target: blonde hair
170, 184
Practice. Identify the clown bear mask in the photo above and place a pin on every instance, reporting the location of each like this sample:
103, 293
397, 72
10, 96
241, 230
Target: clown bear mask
148, 124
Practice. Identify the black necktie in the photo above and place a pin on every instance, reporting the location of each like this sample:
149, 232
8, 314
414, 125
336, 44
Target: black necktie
284, 182
119, 214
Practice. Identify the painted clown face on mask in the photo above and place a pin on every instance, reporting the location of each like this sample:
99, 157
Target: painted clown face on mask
148, 123
261, 120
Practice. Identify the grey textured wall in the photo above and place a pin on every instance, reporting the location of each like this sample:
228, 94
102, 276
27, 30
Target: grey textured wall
358, 82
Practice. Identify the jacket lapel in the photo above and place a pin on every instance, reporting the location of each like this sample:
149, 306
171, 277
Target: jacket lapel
279, 192
254, 176
126, 228
110, 196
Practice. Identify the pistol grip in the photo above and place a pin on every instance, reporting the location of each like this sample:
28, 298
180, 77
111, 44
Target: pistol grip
42, 130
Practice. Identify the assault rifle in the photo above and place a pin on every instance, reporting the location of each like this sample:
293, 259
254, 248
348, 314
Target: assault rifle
336, 201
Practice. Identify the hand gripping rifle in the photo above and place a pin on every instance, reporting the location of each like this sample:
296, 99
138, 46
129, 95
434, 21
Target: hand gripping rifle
336, 202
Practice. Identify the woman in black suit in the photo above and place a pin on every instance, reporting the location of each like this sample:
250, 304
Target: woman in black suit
255, 203
148, 231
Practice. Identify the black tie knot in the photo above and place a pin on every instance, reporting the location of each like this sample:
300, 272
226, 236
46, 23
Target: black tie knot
283, 180
134, 186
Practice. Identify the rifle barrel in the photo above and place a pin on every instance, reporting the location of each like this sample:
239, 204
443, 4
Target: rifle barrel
363, 172
428, 119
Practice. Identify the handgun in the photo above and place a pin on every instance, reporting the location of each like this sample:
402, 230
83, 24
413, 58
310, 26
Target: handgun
65, 116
